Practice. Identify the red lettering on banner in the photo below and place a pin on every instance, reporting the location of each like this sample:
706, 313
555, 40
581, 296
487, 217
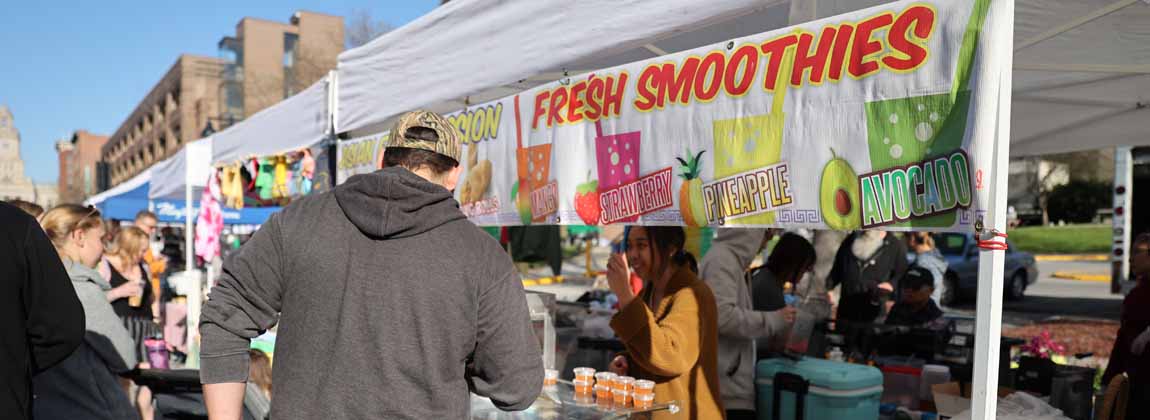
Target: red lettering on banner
558, 101
647, 100
776, 49
921, 19
575, 108
709, 78
842, 43
540, 111
613, 98
747, 58
644, 195
815, 61
594, 96
860, 64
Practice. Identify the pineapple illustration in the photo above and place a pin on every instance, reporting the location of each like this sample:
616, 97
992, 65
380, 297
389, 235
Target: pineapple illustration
691, 192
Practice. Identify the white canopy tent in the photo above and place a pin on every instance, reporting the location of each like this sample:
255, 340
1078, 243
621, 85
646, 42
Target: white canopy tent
1081, 67
1082, 70
188, 168
299, 121
180, 176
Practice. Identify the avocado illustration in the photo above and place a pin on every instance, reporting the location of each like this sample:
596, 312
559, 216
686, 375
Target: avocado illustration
839, 195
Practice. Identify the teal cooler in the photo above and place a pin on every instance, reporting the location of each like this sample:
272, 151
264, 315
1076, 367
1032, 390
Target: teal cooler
830, 390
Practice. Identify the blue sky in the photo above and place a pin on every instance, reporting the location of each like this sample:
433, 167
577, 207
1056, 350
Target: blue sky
79, 64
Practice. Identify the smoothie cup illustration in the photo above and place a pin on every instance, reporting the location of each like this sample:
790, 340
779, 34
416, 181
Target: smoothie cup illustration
617, 158
533, 168
909, 130
747, 143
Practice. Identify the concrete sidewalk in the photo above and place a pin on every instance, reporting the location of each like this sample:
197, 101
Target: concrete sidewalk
1071, 257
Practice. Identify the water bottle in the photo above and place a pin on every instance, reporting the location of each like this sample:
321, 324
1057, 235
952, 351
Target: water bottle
157, 351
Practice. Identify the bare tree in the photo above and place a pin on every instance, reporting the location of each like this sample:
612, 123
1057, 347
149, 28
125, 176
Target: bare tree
361, 28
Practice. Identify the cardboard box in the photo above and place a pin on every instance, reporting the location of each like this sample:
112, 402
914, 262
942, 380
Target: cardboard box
952, 398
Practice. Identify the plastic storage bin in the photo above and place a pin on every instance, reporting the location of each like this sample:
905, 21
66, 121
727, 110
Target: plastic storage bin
829, 390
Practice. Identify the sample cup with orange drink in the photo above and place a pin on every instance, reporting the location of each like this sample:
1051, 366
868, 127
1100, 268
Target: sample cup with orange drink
585, 374
550, 377
622, 398
643, 402
582, 387
604, 378
623, 383
603, 392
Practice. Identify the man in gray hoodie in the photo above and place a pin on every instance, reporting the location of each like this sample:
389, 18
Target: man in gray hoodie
390, 303
724, 269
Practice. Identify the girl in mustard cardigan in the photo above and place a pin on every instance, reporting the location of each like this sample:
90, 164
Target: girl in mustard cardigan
670, 328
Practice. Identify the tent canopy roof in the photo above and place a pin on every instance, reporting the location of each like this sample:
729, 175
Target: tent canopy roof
1081, 78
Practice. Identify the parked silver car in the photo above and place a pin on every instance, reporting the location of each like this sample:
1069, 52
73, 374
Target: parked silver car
961, 253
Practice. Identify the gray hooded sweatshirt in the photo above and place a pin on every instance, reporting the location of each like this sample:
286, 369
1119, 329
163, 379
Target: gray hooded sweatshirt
390, 304
724, 270
85, 385
101, 319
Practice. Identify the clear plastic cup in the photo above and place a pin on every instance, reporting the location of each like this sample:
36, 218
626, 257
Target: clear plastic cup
644, 402
644, 387
550, 377
603, 392
623, 383
605, 378
582, 387
606, 404
800, 338
584, 374
622, 399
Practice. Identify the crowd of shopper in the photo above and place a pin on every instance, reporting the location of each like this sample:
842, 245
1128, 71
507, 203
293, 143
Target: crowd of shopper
89, 298
86, 295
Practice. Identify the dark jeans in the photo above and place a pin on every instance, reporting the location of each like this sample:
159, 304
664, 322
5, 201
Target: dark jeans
858, 308
740, 415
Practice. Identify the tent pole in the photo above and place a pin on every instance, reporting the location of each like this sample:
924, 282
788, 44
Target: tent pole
194, 299
988, 324
1124, 180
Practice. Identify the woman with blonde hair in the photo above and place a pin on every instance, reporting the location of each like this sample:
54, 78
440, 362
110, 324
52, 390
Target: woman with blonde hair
86, 384
125, 270
131, 298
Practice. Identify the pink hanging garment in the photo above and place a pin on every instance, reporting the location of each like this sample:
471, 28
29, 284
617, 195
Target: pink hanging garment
210, 222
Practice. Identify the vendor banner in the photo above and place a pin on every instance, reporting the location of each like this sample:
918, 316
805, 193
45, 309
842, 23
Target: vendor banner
358, 156
860, 121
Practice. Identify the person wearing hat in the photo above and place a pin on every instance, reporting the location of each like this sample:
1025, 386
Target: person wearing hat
390, 303
915, 307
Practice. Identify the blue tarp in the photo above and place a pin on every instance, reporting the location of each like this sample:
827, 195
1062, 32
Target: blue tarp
125, 206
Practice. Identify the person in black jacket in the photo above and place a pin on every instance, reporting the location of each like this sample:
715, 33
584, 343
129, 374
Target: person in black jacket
41, 320
869, 266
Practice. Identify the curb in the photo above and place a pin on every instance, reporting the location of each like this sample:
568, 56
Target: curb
542, 281
1072, 257
1070, 275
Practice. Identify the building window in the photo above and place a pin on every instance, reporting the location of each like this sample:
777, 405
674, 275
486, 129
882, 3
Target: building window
291, 44
232, 88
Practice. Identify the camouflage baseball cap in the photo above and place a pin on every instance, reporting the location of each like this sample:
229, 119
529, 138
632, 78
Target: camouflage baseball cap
449, 139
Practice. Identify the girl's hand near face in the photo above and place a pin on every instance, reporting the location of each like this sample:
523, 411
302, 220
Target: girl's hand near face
619, 278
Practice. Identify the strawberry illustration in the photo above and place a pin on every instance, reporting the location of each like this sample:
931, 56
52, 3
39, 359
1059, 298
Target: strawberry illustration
587, 201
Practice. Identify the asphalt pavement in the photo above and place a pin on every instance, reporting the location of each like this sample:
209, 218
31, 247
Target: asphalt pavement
1051, 297
1047, 298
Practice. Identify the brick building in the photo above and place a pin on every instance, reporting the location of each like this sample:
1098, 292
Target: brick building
80, 162
262, 64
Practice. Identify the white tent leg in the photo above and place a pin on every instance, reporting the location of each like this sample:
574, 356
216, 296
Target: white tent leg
1123, 178
194, 297
988, 324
